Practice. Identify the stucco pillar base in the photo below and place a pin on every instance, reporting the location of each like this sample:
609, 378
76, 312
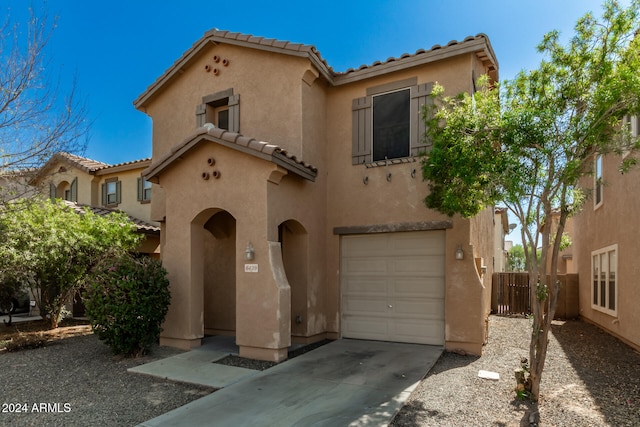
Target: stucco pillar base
181, 343
268, 354
464, 347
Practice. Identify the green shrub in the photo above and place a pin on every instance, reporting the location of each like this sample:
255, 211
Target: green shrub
127, 304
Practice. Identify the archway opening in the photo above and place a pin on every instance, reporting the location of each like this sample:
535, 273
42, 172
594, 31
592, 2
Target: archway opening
219, 274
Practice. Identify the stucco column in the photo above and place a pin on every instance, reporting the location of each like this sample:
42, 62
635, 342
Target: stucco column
263, 305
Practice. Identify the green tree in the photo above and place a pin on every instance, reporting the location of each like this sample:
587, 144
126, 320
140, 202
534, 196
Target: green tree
127, 302
516, 258
52, 248
527, 142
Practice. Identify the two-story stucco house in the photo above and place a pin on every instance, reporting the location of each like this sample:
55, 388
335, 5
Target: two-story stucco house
605, 248
290, 199
103, 188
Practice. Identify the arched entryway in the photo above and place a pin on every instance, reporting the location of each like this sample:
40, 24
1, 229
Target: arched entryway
294, 241
218, 256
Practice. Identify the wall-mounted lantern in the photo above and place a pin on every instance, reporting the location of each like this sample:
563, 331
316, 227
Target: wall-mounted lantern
249, 253
459, 253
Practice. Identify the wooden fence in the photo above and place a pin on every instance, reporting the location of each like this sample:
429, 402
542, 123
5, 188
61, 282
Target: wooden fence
511, 295
512, 292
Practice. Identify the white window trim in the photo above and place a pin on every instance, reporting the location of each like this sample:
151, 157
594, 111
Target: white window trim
612, 248
596, 203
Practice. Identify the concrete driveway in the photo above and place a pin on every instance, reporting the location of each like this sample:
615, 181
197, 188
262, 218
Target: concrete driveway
344, 383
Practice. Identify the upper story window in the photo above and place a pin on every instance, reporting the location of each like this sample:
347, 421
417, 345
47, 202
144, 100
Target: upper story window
144, 190
391, 125
604, 267
387, 123
598, 181
111, 192
222, 109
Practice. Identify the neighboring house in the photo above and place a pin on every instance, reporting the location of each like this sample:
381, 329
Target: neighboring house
606, 249
291, 201
15, 184
104, 188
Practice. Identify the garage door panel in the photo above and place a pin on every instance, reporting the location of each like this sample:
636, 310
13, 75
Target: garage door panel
423, 309
427, 266
393, 287
416, 244
366, 286
369, 245
429, 287
416, 332
357, 306
369, 328
365, 266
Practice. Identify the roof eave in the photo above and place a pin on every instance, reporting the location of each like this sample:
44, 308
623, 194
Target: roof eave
478, 44
211, 37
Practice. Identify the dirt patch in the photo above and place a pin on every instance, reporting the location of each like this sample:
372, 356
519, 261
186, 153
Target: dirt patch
35, 334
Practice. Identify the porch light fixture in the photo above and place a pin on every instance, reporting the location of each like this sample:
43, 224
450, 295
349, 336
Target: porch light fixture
459, 253
249, 253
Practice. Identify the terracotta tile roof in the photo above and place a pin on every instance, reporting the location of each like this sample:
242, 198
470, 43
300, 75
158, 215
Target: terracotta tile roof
236, 141
88, 165
142, 226
479, 44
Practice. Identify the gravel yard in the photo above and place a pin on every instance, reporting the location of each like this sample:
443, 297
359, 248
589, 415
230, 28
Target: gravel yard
590, 379
85, 385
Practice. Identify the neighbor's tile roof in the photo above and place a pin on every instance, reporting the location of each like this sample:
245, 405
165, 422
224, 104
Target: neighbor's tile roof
88, 165
479, 44
236, 141
141, 225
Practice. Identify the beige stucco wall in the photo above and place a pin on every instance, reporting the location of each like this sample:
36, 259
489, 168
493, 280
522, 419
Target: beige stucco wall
351, 202
284, 101
613, 223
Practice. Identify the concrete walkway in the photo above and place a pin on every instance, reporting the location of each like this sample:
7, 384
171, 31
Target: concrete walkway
344, 383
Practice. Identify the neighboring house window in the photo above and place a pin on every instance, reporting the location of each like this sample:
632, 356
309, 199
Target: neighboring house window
221, 109
598, 181
144, 190
387, 124
632, 125
112, 192
604, 293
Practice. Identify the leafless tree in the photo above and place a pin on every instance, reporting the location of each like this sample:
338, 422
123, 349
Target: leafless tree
36, 121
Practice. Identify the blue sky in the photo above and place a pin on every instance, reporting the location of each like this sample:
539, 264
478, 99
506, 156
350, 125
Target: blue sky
117, 48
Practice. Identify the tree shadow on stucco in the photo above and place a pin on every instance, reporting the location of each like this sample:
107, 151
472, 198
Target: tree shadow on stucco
609, 368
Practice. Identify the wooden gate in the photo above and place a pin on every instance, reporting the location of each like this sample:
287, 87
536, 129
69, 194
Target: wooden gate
511, 291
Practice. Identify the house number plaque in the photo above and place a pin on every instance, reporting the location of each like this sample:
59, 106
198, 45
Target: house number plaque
251, 268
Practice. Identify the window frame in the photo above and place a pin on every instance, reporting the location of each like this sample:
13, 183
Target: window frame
213, 104
407, 144
597, 302
362, 122
598, 187
144, 187
117, 194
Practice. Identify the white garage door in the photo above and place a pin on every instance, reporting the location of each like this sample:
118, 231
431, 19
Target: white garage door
393, 286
